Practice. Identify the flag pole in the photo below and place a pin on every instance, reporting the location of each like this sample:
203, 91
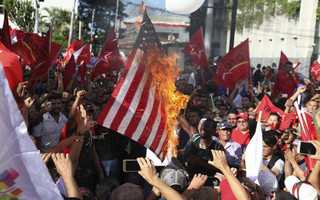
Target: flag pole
260, 116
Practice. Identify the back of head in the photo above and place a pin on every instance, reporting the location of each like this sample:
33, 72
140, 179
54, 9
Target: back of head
86, 194
105, 187
128, 191
282, 195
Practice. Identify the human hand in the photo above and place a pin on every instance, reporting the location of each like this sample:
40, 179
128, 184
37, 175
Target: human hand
81, 94
290, 155
197, 182
21, 89
219, 176
45, 157
238, 85
219, 160
147, 169
301, 89
28, 103
316, 144
63, 164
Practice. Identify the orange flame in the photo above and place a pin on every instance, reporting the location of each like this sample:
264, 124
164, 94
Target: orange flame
164, 70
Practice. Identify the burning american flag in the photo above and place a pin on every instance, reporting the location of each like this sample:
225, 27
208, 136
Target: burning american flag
145, 103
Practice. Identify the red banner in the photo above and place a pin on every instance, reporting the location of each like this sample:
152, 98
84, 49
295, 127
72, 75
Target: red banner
83, 54
267, 107
11, 66
234, 66
5, 33
69, 71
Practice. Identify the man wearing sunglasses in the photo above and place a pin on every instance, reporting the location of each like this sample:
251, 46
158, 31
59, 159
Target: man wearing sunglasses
241, 134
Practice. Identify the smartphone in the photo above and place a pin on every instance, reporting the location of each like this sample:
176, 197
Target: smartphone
130, 165
306, 148
284, 95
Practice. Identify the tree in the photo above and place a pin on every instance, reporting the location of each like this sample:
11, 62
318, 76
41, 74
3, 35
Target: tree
21, 13
105, 11
60, 22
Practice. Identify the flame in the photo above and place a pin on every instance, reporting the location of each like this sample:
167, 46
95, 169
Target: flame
164, 70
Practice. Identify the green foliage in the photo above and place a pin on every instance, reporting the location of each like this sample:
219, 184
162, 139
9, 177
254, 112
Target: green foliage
21, 13
254, 12
60, 22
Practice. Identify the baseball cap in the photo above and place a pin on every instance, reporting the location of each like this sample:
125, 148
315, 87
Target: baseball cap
268, 182
225, 125
242, 116
306, 191
174, 177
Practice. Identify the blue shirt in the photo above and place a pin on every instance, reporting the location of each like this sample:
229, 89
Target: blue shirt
233, 152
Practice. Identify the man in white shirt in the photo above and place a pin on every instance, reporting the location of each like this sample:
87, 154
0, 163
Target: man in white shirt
47, 133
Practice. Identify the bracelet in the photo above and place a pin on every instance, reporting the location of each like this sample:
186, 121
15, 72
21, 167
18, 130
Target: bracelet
76, 140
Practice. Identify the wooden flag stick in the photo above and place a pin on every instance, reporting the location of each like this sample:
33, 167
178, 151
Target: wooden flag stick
260, 115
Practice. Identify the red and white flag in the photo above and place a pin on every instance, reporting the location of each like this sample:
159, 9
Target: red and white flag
195, 49
109, 59
315, 69
83, 54
75, 46
135, 108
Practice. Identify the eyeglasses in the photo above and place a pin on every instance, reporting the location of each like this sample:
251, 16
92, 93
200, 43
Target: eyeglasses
241, 121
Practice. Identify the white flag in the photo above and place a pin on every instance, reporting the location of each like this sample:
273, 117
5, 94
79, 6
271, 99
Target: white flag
23, 174
253, 155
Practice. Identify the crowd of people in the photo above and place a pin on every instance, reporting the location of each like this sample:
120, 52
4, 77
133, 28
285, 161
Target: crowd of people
85, 159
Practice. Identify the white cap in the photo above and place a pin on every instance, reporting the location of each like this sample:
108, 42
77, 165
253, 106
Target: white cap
306, 191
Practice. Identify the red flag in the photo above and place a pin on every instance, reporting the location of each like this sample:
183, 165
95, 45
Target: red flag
282, 62
75, 46
69, 71
195, 49
234, 66
43, 62
315, 70
267, 107
135, 108
83, 54
109, 59
33, 48
11, 66
82, 72
5, 33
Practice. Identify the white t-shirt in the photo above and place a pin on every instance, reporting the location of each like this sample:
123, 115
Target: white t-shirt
49, 131
278, 166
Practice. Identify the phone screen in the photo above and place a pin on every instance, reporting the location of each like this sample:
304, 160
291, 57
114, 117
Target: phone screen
131, 165
307, 148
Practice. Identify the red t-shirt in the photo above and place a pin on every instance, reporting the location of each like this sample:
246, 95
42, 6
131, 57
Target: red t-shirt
239, 137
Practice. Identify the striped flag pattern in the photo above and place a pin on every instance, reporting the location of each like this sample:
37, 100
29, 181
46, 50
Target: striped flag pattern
135, 108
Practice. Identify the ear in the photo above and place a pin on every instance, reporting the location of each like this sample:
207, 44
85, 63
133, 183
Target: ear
274, 147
